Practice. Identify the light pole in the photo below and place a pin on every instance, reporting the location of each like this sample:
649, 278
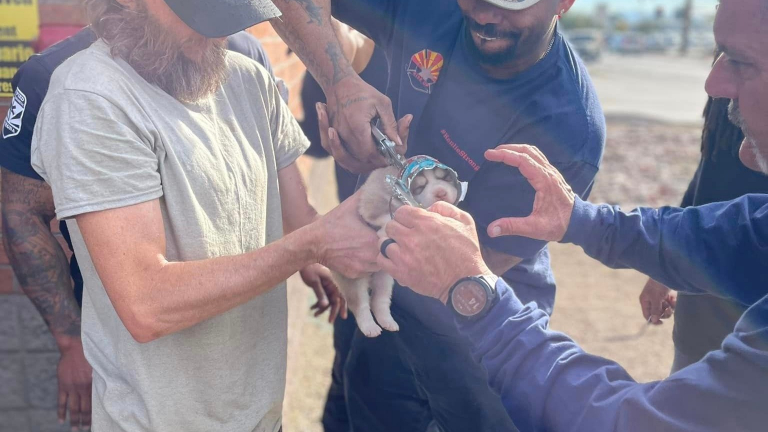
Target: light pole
687, 16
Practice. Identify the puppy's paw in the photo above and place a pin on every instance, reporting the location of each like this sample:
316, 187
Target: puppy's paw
370, 331
389, 324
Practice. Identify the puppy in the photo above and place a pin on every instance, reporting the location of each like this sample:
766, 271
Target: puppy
428, 187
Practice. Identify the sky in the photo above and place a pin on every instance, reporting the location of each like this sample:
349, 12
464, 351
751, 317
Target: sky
701, 7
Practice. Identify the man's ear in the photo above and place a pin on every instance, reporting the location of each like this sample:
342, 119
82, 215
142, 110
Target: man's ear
565, 5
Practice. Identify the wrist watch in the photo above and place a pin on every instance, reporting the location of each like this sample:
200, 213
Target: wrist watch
472, 297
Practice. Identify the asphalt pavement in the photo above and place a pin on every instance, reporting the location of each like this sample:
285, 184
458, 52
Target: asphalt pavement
666, 88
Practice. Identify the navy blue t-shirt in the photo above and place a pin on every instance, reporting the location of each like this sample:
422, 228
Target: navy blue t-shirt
30, 86
459, 112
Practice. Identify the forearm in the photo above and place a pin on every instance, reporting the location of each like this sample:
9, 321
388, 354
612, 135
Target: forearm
36, 257
306, 27
714, 249
177, 295
548, 383
296, 210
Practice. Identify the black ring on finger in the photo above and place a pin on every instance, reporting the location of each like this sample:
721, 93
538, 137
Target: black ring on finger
384, 245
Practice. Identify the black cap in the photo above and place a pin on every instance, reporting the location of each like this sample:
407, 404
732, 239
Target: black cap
220, 18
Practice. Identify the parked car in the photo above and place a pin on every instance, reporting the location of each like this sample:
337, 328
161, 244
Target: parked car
587, 42
631, 43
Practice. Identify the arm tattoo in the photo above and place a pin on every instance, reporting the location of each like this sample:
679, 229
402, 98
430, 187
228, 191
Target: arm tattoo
314, 12
311, 41
35, 255
336, 56
353, 101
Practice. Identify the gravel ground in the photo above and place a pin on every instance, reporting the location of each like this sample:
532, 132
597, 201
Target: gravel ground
646, 163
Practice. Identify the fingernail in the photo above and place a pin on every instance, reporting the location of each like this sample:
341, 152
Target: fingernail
496, 231
332, 134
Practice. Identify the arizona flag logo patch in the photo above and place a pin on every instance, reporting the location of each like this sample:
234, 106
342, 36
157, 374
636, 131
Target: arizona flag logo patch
424, 70
12, 123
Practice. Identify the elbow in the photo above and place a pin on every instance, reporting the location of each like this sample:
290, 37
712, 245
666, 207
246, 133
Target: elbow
142, 331
143, 335
141, 323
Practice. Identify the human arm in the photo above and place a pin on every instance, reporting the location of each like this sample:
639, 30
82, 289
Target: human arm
42, 269
715, 248
545, 380
111, 185
305, 27
155, 297
297, 212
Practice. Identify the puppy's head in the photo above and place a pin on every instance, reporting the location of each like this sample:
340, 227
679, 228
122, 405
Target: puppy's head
433, 185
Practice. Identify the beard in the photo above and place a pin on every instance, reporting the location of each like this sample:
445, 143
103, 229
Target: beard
498, 58
734, 115
158, 56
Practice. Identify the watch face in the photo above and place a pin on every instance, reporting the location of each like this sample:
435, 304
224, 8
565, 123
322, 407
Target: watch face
469, 298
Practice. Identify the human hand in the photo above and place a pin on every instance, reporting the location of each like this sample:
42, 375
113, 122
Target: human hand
345, 125
75, 376
345, 243
657, 302
433, 249
327, 293
553, 204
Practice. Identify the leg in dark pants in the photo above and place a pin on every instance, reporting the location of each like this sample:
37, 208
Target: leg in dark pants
335, 418
382, 394
401, 381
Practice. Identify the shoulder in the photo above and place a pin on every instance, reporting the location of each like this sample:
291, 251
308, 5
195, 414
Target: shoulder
93, 70
580, 115
34, 76
247, 71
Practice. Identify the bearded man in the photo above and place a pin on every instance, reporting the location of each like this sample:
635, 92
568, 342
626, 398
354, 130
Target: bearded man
172, 162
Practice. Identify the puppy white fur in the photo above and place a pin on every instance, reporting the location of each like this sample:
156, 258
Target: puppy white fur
427, 188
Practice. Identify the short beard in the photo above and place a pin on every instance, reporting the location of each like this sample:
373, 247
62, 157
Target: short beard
158, 57
495, 59
734, 115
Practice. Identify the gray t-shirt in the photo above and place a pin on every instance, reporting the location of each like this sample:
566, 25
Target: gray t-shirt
105, 138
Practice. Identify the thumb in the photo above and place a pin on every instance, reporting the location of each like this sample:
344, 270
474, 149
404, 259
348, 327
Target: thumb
387, 119
403, 130
444, 209
512, 226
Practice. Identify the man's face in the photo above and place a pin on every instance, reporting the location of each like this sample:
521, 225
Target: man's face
500, 36
166, 52
741, 74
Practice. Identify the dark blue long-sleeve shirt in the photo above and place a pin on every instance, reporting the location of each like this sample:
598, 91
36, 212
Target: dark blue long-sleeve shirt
548, 383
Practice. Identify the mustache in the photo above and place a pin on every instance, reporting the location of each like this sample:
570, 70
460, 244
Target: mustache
734, 115
491, 30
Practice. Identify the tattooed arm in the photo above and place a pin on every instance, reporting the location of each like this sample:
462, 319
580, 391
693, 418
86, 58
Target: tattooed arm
42, 269
352, 103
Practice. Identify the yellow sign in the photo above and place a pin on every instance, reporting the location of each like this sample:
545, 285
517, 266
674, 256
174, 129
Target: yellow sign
19, 27
18, 20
